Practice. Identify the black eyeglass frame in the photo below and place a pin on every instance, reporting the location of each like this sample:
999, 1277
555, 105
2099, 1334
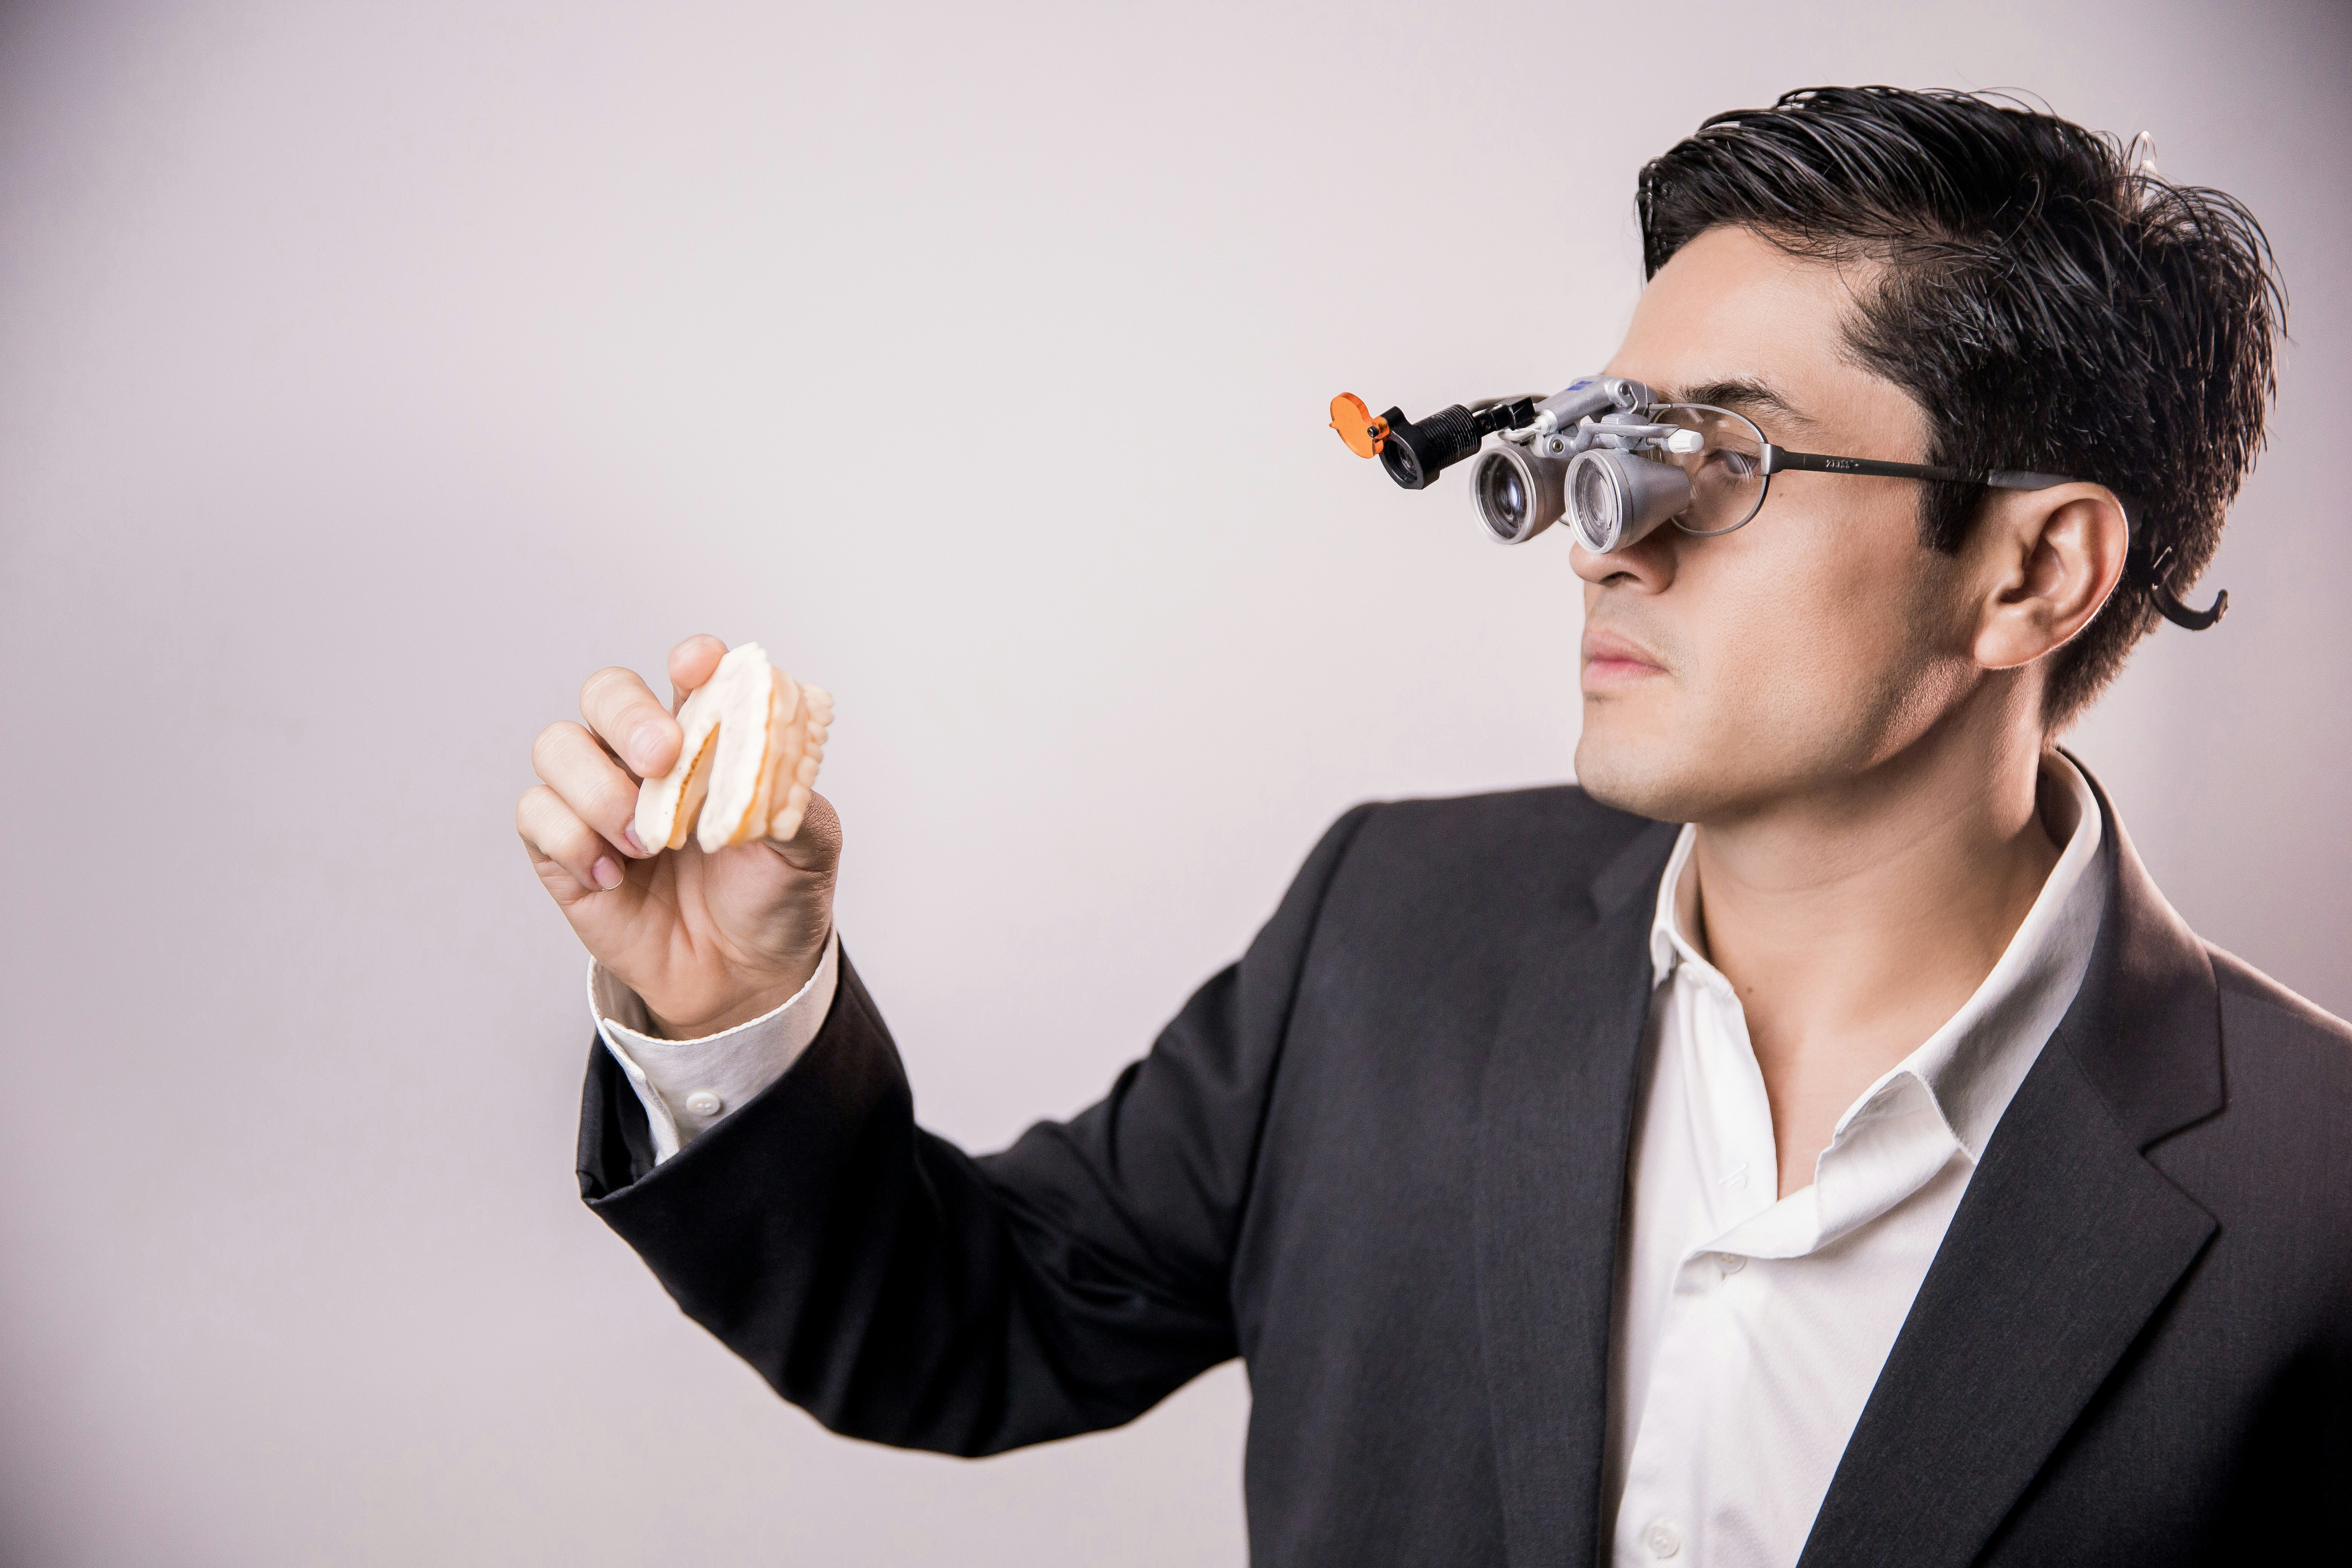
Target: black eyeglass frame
1772, 459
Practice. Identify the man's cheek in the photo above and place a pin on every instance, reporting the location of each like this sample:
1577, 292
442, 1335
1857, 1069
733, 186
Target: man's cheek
1783, 683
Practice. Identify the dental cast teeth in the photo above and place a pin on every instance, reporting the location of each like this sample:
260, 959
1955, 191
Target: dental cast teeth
754, 738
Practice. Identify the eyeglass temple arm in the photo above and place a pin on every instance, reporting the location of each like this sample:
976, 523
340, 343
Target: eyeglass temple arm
2150, 572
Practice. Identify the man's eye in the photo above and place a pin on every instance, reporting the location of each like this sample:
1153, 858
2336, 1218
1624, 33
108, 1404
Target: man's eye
1738, 465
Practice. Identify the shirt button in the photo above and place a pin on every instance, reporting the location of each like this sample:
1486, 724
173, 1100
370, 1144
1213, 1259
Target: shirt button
1730, 1262
702, 1102
1663, 1539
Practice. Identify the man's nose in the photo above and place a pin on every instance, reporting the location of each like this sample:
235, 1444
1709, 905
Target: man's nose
1647, 564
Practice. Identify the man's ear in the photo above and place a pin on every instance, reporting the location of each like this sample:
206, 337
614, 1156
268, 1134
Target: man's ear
2048, 561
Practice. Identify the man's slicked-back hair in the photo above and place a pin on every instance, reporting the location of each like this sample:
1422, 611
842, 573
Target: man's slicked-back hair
2048, 305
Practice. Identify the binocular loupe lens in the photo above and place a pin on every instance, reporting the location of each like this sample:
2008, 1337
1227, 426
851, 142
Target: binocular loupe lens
1518, 494
1615, 498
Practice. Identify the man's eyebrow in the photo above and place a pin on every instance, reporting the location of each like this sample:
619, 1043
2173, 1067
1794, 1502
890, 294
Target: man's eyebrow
1743, 395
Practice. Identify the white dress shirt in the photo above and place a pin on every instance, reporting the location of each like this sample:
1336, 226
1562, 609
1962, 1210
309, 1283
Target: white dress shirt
1749, 1331
687, 1085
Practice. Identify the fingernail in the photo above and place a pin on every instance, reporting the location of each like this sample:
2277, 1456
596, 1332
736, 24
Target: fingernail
607, 875
642, 741
635, 847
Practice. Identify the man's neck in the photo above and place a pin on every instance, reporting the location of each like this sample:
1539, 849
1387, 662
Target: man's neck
1855, 921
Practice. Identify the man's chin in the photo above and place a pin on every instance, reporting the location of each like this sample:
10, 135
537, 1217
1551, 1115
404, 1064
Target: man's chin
1643, 775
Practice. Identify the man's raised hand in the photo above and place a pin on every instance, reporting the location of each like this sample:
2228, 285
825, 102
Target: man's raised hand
709, 941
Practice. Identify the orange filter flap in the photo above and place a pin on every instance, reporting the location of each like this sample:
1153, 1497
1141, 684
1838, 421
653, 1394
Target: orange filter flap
1357, 425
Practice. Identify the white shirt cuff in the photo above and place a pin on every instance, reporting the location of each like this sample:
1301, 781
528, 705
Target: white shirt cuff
687, 1085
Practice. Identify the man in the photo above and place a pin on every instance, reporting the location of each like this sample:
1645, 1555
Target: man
1814, 1138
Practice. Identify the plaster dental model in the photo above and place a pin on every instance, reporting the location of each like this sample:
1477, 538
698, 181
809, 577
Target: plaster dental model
754, 737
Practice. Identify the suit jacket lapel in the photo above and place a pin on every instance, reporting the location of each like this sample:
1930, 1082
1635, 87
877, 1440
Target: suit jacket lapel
2065, 1243
1555, 1115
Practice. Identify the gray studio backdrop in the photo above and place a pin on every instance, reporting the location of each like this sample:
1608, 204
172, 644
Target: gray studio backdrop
370, 373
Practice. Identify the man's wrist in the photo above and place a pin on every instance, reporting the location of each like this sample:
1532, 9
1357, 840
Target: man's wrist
697, 1026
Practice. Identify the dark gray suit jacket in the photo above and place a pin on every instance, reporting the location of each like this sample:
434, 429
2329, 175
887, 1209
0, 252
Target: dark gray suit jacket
1383, 1159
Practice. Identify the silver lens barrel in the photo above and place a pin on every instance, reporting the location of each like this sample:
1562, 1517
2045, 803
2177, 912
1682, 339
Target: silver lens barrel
1518, 494
1615, 498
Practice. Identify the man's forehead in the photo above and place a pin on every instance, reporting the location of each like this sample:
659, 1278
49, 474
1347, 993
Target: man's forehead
1733, 320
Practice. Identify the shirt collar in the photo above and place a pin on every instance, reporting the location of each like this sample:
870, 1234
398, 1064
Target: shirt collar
1973, 1064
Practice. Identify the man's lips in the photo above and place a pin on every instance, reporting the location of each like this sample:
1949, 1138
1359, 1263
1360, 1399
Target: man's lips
1611, 659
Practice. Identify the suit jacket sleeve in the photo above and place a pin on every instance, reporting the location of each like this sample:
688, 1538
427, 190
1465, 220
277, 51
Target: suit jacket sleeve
903, 1291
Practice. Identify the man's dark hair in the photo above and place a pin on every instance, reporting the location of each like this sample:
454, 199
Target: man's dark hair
2050, 307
